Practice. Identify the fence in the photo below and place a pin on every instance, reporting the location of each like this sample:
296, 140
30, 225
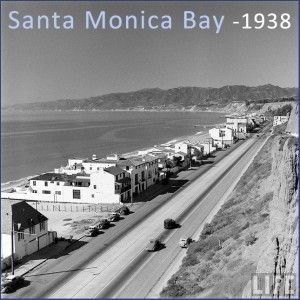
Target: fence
70, 207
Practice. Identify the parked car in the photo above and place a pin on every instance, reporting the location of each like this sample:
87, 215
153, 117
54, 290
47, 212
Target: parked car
153, 245
92, 231
12, 283
113, 217
169, 224
184, 242
123, 210
103, 224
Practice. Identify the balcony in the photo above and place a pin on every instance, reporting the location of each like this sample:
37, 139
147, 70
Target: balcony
122, 190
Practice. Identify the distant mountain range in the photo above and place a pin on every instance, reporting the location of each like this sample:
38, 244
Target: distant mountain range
181, 98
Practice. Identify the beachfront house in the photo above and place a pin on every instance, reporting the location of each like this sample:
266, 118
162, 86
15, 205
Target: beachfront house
104, 186
278, 120
26, 226
143, 171
240, 126
184, 147
222, 136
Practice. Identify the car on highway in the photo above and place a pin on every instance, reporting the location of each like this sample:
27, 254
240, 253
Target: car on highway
103, 224
12, 283
169, 224
154, 245
92, 231
185, 242
114, 217
123, 210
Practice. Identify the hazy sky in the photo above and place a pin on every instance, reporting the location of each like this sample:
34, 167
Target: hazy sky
41, 65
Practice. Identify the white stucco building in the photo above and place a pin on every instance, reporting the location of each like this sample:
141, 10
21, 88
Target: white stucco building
108, 185
222, 136
278, 120
240, 126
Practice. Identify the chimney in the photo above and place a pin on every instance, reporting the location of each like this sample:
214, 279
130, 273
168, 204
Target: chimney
94, 157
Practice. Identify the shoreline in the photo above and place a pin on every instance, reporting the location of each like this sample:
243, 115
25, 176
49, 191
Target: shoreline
200, 134
221, 111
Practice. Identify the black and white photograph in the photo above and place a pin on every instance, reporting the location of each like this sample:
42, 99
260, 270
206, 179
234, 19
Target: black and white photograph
149, 149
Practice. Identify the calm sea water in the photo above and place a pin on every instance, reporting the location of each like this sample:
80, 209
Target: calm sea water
37, 142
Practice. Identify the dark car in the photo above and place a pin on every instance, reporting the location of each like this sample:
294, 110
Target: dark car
123, 210
92, 231
12, 283
114, 217
103, 224
153, 245
169, 224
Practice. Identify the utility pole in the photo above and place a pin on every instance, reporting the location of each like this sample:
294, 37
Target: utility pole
12, 244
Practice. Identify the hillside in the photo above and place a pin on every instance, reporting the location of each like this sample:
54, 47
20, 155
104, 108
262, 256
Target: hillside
255, 231
181, 98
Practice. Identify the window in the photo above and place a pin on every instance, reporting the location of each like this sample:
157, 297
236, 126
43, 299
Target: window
91, 168
57, 192
46, 192
34, 191
93, 195
46, 183
57, 183
222, 133
76, 194
20, 236
34, 183
127, 168
42, 226
98, 169
95, 186
32, 230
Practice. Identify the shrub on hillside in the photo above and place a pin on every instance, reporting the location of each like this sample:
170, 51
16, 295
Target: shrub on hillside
210, 243
250, 239
190, 260
207, 230
173, 290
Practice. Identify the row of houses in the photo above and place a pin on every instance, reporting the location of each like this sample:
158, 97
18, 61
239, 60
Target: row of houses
117, 179
235, 128
113, 179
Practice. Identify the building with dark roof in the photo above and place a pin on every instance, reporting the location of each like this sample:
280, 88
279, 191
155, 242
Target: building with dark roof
114, 170
27, 226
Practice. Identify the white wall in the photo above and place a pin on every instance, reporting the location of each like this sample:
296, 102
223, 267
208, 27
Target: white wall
221, 136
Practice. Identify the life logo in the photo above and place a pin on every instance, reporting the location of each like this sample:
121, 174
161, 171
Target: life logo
270, 285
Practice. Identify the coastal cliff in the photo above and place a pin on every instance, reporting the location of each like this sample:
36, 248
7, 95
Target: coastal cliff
279, 251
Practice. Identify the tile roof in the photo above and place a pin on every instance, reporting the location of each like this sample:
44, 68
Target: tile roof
114, 170
131, 162
51, 177
23, 214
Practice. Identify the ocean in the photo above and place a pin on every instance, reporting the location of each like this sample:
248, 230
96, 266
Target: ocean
36, 142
